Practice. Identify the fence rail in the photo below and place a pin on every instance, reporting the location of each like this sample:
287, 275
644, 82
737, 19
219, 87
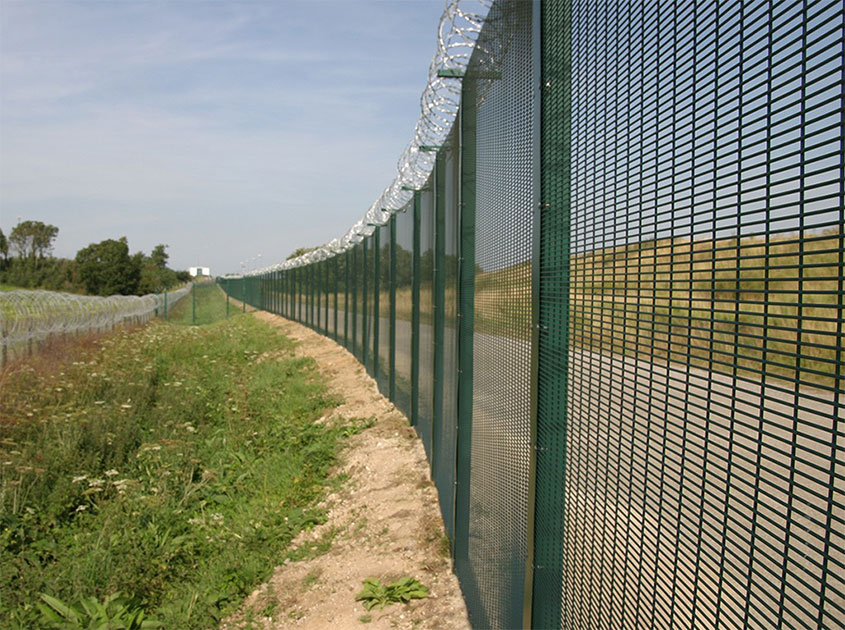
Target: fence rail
614, 314
29, 318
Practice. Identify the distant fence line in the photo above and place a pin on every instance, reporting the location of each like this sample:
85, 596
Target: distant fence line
29, 318
614, 313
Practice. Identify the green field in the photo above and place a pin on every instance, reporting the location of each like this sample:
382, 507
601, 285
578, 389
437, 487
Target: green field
171, 464
210, 306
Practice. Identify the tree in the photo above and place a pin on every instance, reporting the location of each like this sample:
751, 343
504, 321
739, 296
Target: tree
299, 251
159, 256
106, 268
33, 239
4, 246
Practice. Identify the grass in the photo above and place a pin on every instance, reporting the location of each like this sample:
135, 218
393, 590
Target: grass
10, 287
210, 306
172, 464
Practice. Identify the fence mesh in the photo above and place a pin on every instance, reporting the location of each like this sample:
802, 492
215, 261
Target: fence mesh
614, 314
446, 275
501, 418
404, 307
425, 380
385, 299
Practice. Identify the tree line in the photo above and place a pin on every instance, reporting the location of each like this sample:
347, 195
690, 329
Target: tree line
104, 268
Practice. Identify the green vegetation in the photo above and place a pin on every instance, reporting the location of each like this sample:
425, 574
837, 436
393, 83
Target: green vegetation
210, 306
116, 611
377, 594
161, 471
103, 268
31, 239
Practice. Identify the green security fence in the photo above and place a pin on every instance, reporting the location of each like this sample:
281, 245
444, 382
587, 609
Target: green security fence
614, 314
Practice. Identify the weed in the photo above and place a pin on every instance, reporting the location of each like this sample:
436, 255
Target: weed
365, 618
356, 425
270, 607
165, 462
377, 594
445, 546
115, 611
315, 548
312, 577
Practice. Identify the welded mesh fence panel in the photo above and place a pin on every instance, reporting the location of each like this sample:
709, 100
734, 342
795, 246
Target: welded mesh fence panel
404, 307
446, 264
384, 298
352, 300
425, 385
501, 422
704, 483
372, 303
320, 296
347, 281
308, 283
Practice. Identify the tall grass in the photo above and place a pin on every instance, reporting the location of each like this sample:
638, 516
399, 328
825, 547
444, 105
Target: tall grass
173, 464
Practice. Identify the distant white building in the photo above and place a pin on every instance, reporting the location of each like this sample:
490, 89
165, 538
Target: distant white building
199, 271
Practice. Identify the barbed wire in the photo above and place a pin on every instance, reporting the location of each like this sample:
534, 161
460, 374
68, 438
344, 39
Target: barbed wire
457, 34
36, 315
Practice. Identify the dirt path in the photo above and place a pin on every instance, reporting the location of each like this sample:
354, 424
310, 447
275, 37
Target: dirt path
383, 521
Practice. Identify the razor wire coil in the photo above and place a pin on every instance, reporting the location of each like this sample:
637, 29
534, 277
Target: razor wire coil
37, 315
457, 35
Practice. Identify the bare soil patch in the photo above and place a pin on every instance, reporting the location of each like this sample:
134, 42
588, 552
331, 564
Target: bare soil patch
383, 521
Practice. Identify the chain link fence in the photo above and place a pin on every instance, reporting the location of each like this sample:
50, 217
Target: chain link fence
613, 310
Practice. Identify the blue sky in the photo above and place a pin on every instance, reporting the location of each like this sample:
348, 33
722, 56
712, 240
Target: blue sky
223, 129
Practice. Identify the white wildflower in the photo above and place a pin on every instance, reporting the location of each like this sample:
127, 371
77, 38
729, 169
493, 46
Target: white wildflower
111, 473
79, 478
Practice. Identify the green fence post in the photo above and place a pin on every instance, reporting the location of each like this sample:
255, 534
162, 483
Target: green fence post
243, 293
551, 316
392, 283
354, 299
227, 298
466, 323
